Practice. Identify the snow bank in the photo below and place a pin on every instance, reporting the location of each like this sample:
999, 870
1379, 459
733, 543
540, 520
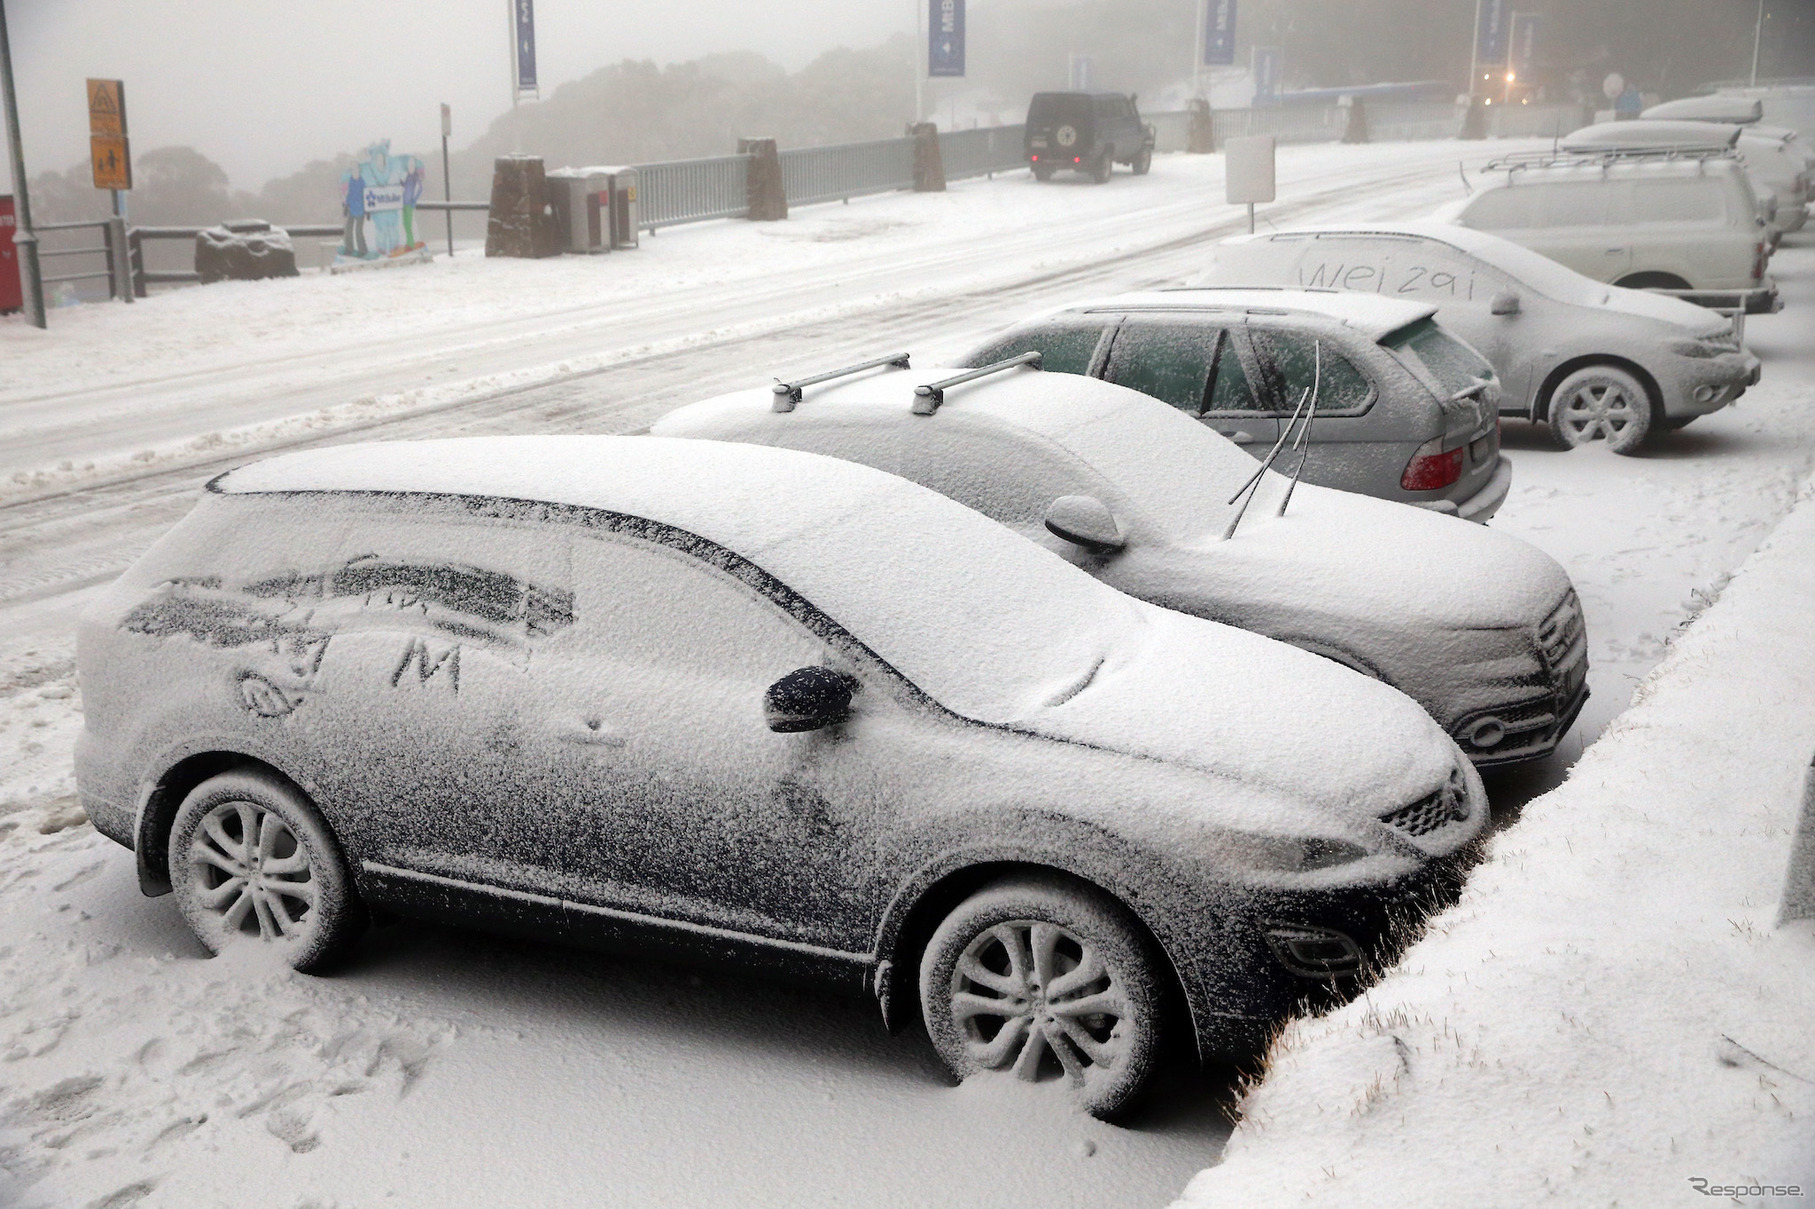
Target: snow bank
1610, 1011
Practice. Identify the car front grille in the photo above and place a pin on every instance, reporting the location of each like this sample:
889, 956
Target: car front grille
1564, 636
1429, 814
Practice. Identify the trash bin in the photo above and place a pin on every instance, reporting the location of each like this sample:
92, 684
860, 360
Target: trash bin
581, 200
624, 211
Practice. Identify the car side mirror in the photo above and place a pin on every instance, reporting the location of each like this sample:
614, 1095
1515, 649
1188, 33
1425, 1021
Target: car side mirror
1505, 303
1086, 521
808, 698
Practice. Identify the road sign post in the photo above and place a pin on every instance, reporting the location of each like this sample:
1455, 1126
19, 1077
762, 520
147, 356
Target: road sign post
1248, 172
110, 155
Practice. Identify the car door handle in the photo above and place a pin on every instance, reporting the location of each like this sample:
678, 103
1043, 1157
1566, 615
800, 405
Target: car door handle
1615, 251
1237, 435
591, 733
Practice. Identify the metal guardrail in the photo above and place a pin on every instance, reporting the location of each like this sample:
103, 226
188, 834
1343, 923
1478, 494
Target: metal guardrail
844, 171
692, 190
982, 151
1287, 123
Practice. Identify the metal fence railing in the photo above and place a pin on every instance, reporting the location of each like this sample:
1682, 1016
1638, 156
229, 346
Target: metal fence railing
1408, 121
1535, 121
984, 150
847, 170
1287, 123
692, 190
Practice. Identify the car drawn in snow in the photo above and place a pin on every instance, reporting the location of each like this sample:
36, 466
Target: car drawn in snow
1401, 411
753, 706
1686, 221
1482, 629
1589, 361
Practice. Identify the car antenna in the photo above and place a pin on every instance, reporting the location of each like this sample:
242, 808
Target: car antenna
787, 394
1462, 172
1304, 434
1252, 487
928, 398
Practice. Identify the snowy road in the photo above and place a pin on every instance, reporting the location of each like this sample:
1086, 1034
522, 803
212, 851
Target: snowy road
445, 1068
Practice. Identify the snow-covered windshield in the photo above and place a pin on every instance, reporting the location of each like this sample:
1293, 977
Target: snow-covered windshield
1452, 364
1541, 273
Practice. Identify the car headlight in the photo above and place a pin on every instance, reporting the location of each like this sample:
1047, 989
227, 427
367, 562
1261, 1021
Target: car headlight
1292, 854
1704, 349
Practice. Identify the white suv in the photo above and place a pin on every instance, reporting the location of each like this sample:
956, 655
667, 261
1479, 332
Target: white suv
1684, 222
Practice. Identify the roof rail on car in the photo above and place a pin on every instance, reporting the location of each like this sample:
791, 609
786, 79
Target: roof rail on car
1612, 155
928, 398
787, 394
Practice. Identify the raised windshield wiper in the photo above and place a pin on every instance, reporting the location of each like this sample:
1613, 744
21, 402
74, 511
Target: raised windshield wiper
1251, 488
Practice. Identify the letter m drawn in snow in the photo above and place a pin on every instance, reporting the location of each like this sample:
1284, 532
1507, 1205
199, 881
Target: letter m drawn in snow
428, 664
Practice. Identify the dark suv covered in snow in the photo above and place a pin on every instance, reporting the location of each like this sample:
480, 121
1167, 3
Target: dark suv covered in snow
1086, 132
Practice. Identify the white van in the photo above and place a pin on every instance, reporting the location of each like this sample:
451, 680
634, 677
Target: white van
1681, 221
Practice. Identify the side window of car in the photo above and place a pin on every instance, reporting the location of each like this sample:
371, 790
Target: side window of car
1584, 203
1064, 348
1231, 391
1697, 200
653, 610
1510, 208
1422, 269
1168, 359
1293, 363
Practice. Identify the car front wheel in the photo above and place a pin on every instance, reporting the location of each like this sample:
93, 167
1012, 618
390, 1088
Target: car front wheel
1600, 403
252, 860
1046, 981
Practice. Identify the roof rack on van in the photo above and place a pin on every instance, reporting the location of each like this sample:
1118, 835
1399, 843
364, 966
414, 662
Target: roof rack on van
787, 394
928, 398
1604, 159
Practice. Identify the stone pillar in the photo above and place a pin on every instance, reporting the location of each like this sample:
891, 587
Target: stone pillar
929, 164
1474, 120
1357, 129
521, 222
1200, 134
768, 194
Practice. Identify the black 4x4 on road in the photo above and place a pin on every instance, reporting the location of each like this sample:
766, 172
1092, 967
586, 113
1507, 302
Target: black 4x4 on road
1086, 132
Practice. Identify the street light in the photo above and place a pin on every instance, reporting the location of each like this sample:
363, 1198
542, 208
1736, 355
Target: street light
1758, 36
23, 238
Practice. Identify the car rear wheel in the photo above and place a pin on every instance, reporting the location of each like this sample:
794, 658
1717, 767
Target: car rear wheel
252, 860
1045, 981
1103, 166
1600, 403
1143, 161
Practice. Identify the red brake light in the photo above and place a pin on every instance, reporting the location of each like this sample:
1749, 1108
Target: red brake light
1431, 469
1036, 159
1077, 159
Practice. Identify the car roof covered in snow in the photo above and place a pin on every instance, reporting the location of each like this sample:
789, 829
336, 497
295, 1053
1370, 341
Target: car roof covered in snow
1715, 108
1652, 134
1368, 314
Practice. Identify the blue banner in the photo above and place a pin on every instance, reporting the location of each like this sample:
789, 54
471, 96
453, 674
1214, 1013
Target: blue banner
945, 38
1524, 43
524, 15
1269, 63
1490, 33
1219, 33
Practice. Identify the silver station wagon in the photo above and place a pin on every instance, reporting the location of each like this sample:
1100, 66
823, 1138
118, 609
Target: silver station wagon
753, 706
1403, 411
1482, 629
1587, 360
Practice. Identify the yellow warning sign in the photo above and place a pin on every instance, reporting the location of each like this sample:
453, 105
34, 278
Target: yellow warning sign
107, 107
112, 161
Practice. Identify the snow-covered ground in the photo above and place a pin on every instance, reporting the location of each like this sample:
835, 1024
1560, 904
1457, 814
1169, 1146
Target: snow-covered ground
444, 1068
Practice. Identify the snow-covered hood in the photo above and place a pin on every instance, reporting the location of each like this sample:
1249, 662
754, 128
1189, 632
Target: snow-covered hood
1346, 555
1263, 714
1693, 320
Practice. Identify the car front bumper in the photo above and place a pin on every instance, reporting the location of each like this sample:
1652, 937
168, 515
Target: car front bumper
1699, 387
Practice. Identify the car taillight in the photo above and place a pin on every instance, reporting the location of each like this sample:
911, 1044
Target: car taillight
1431, 469
1761, 259
1036, 159
1077, 159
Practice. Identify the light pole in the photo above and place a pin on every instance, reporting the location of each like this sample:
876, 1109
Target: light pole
1758, 37
23, 239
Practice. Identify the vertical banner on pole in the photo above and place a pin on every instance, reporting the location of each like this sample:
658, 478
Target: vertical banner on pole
1523, 45
1268, 65
945, 38
1219, 33
524, 19
1490, 34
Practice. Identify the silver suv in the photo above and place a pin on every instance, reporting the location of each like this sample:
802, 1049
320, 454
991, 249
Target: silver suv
1403, 410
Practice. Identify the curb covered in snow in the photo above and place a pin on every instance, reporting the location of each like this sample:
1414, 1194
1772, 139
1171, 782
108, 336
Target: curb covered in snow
1611, 1012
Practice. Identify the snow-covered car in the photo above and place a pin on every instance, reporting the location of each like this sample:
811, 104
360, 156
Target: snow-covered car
1588, 360
1480, 628
758, 707
1777, 155
1778, 173
1684, 221
1403, 411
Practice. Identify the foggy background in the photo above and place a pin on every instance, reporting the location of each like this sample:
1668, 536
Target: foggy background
239, 110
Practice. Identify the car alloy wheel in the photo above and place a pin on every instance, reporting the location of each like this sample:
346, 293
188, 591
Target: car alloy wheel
1046, 982
251, 859
1600, 403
